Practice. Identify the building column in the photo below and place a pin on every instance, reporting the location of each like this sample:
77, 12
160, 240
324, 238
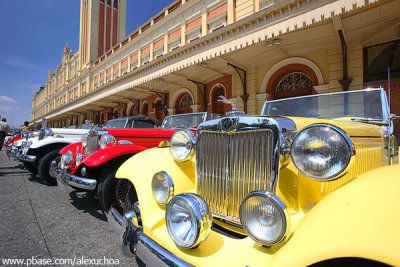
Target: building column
195, 108
251, 91
260, 99
171, 111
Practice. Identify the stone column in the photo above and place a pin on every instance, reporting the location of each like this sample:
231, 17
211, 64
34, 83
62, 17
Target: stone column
195, 108
260, 99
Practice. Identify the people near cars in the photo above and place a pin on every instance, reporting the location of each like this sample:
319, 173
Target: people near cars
26, 127
4, 130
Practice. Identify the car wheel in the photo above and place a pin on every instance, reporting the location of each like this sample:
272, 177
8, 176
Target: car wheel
44, 166
131, 202
111, 191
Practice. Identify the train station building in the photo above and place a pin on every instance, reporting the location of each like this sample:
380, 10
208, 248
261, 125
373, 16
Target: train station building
191, 52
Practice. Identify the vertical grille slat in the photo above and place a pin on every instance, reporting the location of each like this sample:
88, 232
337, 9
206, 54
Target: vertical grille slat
232, 164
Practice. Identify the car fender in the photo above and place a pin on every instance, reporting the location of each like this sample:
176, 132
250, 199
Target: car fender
358, 220
107, 154
51, 140
74, 148
145, 165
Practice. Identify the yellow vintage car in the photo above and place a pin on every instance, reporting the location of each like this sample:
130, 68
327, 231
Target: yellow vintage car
311, 181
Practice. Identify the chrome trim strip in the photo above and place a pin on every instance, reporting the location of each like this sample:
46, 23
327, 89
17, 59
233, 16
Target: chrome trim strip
134, 243
25, 157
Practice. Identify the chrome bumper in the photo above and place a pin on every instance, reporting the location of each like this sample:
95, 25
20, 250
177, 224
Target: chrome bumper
25, 157
66, 178
135, 243
12, 152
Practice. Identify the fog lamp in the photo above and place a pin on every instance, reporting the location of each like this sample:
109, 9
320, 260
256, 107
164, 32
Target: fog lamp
264, 217
188, 220
66, 158
162, 187
83, 171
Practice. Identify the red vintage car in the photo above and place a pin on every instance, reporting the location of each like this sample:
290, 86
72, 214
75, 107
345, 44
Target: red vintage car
92, 163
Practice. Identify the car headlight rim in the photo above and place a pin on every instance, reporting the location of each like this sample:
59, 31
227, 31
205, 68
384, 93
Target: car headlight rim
201, 219
189, 145
106, 139
338, 173
279, 206
168, 190
66, 159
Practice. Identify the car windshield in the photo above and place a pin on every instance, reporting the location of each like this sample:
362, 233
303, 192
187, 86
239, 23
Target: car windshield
115, 123
185, 120
368, 105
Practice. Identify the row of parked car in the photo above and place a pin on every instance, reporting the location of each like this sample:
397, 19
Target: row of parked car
311, 180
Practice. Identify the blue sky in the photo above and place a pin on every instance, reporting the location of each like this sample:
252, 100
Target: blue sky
32, 37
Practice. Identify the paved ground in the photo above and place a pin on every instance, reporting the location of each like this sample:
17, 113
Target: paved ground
38, 221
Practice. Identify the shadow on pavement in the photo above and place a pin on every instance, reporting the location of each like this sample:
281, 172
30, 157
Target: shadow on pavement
36, 179
12, 172
86, 202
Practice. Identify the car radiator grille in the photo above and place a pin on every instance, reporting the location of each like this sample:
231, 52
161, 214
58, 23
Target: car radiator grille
232, 164
92, 144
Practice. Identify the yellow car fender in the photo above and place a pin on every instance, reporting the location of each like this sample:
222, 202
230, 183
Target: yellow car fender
140, 169
359, 220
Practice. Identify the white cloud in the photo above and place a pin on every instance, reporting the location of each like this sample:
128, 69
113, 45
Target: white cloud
6, 99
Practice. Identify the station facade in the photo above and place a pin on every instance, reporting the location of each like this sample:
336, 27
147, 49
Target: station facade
191, 52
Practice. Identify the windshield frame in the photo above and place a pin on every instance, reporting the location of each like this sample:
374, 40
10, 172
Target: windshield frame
204, 116
385, 105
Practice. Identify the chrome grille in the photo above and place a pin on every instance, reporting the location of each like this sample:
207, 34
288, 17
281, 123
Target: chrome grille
92, 143
232, 164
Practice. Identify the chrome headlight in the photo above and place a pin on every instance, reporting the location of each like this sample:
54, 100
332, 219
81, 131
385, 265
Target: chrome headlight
182, 145
78, 159
264, 217
162, 187
188, 220
106, 139
322, 151
84, 140
48, 132
66, 158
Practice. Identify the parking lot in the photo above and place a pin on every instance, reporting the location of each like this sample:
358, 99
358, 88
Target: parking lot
40, 224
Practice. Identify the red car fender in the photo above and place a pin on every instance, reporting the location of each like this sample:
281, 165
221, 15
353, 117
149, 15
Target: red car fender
74, 147
12, 140
103, 156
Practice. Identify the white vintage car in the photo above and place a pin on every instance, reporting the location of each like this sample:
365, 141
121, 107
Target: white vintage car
37, 152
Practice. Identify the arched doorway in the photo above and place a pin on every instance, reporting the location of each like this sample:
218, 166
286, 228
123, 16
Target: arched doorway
217, 106
145, 108
183, 104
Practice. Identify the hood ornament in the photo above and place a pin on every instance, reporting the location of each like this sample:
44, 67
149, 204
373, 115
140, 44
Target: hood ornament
234, 111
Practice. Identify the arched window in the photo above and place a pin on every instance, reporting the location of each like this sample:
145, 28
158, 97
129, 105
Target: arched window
183, 104
294, 82
217, 106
